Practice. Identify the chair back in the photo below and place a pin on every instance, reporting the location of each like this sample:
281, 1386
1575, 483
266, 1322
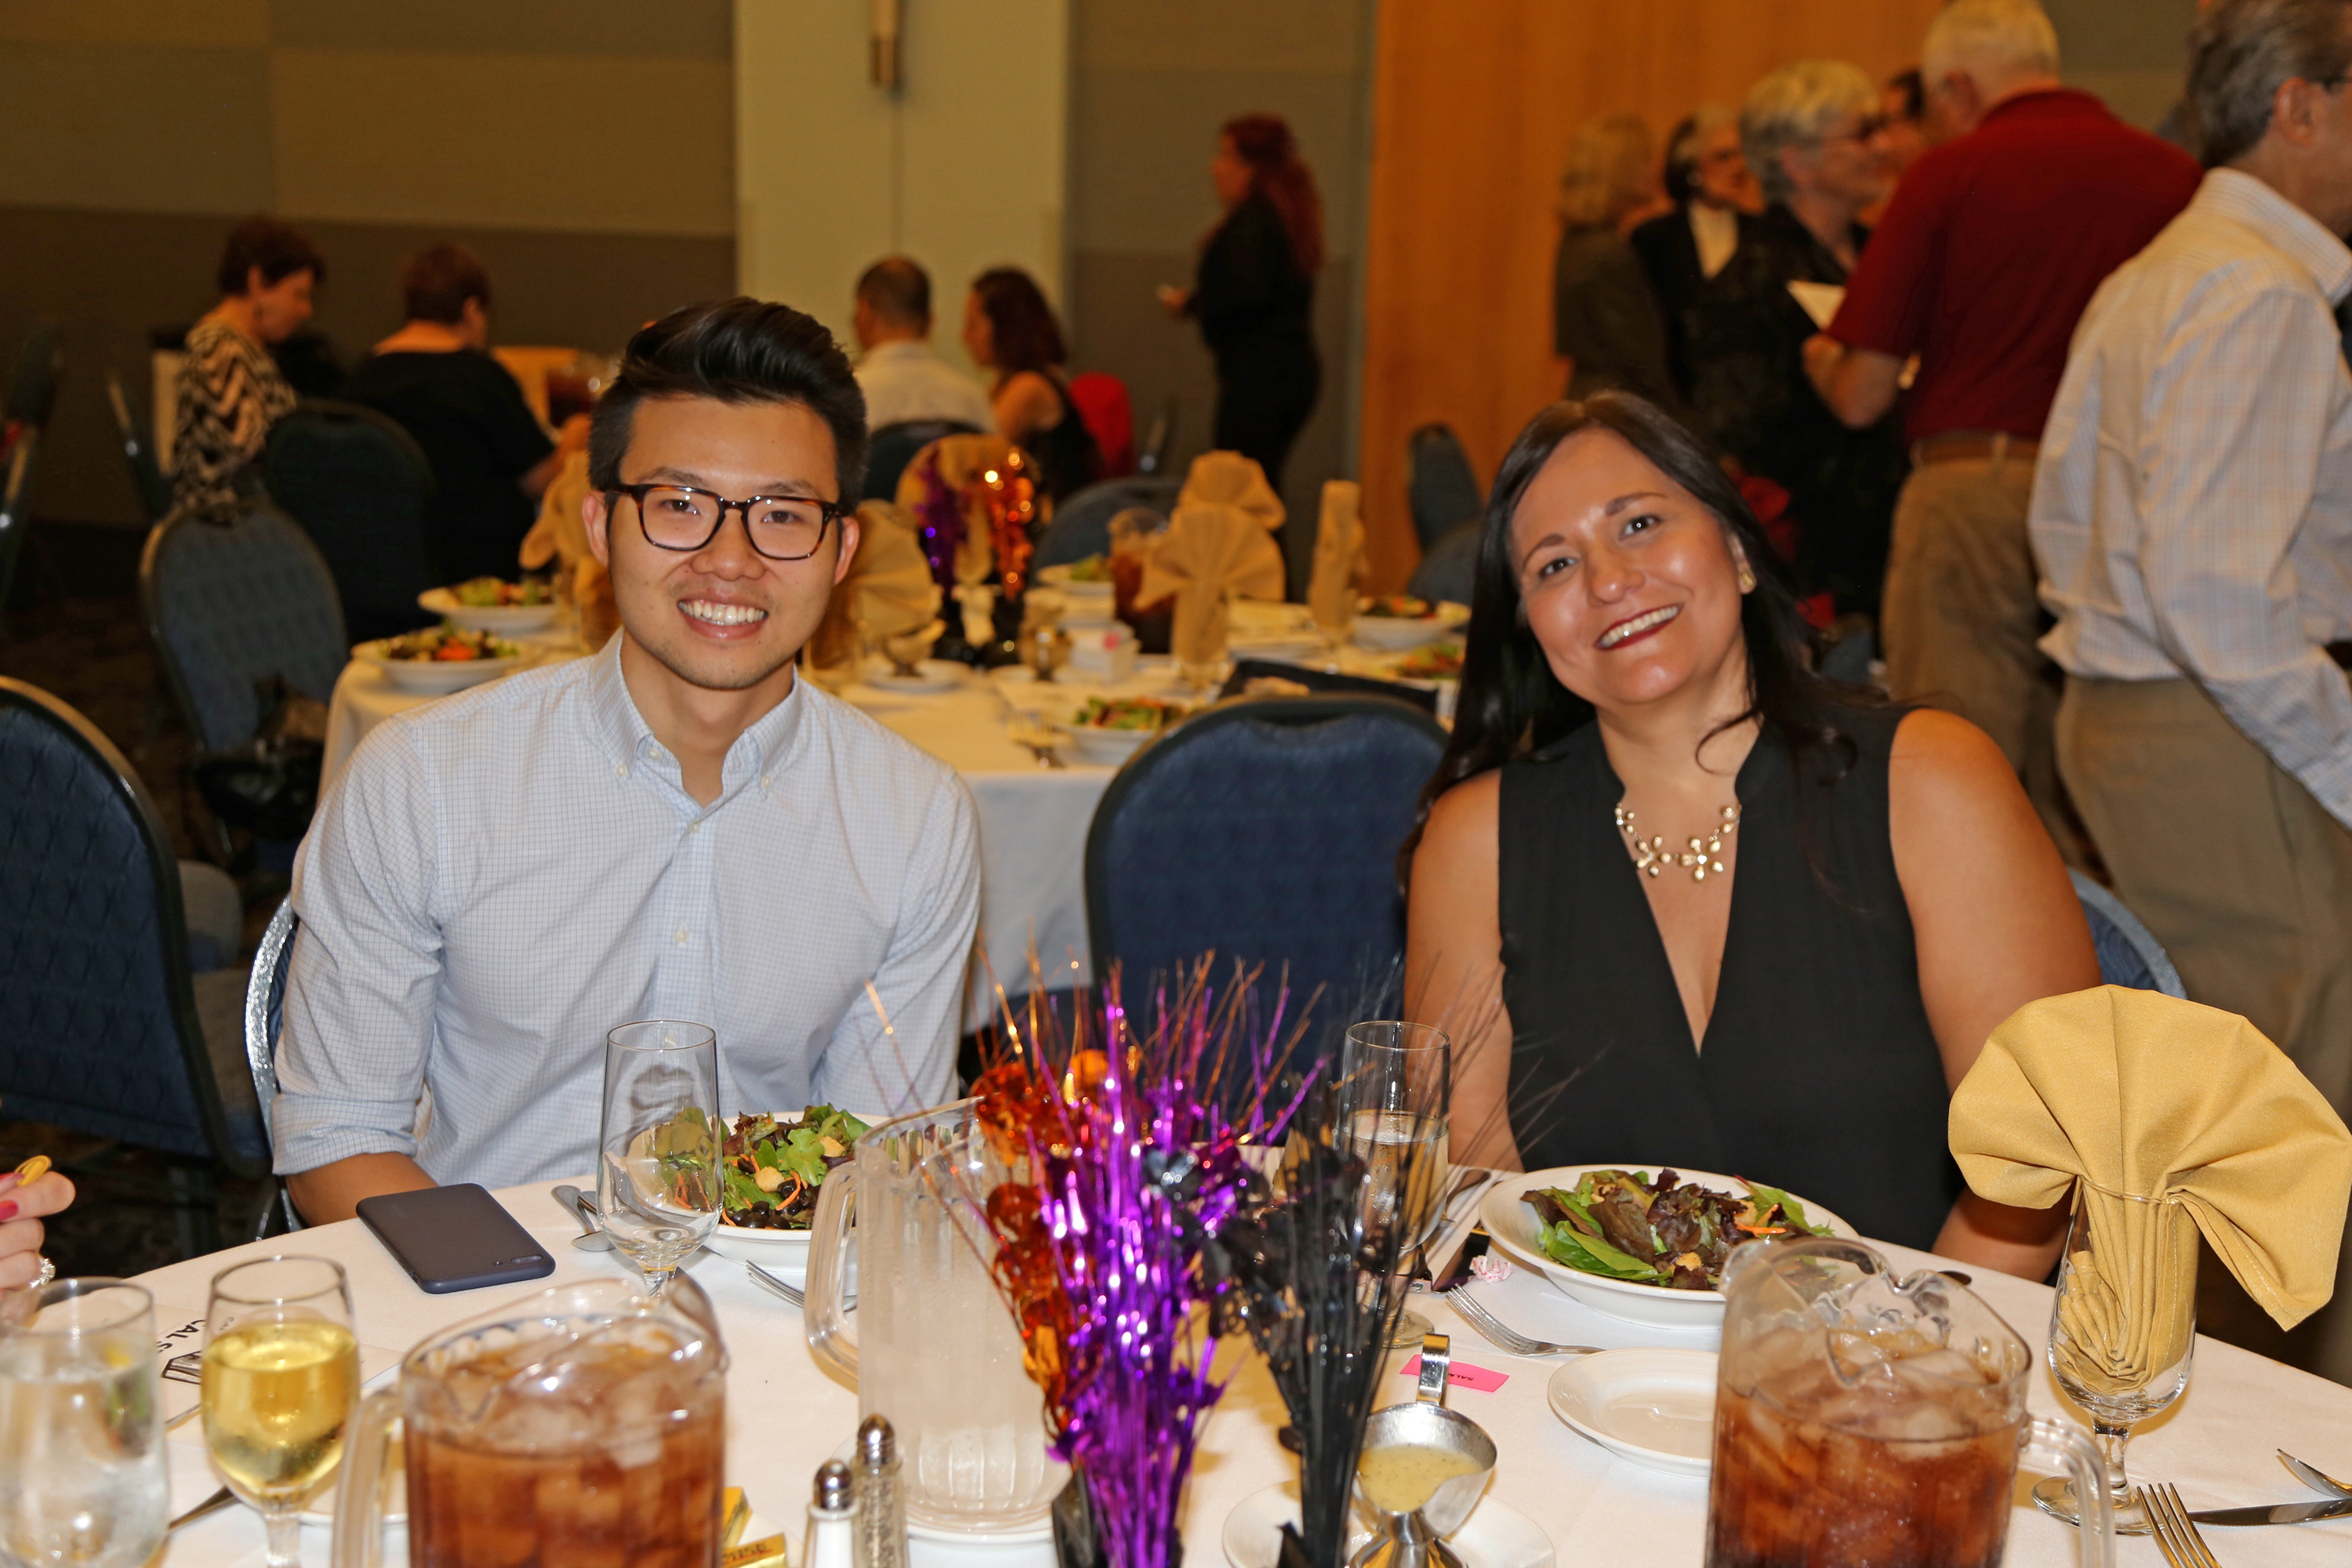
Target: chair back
265, 1021
231, 603
147, 481
2128, 952
890, 448
1081, 525
1102, 404
1265, 830
1439, 483
22, 463
360, 486
98, 1029
33, 382
1159, 441
1449, 570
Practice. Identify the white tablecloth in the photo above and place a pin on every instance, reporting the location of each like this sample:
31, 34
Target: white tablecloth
785, 1417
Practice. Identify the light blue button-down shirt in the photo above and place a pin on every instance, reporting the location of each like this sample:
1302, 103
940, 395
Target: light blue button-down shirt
496, 880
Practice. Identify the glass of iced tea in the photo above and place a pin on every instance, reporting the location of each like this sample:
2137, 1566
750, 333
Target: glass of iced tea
1864, 1419
281, 1373
584, 1424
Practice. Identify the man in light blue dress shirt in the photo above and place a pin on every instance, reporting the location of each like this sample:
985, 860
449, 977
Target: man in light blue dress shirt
675, 827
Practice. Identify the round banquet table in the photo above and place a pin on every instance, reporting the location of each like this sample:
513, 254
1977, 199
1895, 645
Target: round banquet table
785, 1417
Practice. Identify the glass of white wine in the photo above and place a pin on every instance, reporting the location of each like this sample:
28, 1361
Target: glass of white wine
1395, 1089
657, 1149
281, 1376
82, 1476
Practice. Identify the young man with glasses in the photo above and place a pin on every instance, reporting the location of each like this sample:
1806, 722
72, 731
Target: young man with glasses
675, 827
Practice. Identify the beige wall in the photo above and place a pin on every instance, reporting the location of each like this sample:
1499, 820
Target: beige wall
585, 147
2133, 53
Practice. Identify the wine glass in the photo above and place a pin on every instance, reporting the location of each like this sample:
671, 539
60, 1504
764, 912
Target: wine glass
657, 1151
82, 1476
2122, 1328
281, 1377
1395, 1092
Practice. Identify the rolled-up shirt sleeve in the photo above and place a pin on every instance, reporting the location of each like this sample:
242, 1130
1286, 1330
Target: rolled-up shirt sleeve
366, 963
2221, 512
921, 978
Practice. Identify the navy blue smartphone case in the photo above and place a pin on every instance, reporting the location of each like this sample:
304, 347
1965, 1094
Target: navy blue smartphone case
455, 1239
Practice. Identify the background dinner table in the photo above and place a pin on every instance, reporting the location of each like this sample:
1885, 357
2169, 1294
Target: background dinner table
785, 1416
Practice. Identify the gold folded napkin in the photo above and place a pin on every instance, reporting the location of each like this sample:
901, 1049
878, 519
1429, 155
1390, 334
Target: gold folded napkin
1339, 554
888, 590
1228, 479
559, 539
2144, 1095
1210, 553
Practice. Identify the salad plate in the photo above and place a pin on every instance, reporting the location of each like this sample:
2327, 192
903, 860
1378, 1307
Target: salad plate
1496, 1535
1516, 1229
1091, 586
412, 664
783, 1252
1108, 748
488, 605
932, 675
1654, 1408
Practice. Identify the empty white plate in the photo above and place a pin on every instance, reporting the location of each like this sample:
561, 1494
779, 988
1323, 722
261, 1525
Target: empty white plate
1655, 1407
1496, 1535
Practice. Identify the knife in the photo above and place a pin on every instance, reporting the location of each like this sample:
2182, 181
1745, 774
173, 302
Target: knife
2278, 1513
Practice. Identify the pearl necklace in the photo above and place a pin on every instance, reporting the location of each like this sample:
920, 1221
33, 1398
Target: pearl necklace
1702, 860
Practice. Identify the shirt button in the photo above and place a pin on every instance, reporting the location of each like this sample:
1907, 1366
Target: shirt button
764, 780
694, 828
620, 770
681, 936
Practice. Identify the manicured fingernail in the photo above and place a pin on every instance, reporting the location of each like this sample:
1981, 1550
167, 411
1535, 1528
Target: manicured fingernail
7, 1213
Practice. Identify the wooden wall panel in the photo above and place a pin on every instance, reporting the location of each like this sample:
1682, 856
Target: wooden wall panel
1474, 104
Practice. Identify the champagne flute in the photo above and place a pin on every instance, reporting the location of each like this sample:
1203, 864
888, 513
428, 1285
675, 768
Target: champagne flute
2122, 1328
281, 1377
82, 1476
1395, 1093
658, 1152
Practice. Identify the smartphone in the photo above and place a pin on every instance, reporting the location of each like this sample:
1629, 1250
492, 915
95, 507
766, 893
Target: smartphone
455, 1239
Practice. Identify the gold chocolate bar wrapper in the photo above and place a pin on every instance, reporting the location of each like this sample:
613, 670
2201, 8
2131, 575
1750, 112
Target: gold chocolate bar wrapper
734, 1513
763, 1553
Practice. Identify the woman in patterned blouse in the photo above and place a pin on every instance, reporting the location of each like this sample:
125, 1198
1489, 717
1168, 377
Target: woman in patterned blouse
230, 389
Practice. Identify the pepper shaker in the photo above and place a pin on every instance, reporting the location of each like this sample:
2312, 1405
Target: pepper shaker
881, 1505
832, 1519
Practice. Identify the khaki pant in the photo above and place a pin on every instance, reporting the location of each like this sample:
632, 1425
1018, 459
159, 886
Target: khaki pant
1960, 619
2242, 876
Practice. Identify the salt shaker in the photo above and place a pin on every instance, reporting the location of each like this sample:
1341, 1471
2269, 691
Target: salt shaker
832, 1519
881, 1505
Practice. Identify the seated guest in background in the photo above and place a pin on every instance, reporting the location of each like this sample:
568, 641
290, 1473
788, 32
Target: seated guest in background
675, 827
491, 460
1990, 250
230, 390
1868, 895
1010, 331
1902, 99
903, 379
2192, 513
22, 1207
1814, 134
1605, 316
1715, 201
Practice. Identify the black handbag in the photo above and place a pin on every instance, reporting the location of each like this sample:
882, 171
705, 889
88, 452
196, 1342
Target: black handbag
269, 785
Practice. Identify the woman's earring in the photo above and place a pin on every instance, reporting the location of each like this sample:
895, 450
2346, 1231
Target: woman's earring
1746, 578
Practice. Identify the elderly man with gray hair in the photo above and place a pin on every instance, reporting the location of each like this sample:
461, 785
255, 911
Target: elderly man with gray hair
2192, 512
1814, 133
1981, 266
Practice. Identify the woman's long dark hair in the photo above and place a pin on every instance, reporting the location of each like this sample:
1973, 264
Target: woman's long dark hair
1511, 704
1023, 332
1278, 174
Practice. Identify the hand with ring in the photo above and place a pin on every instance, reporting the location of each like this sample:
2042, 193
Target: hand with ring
27, 1194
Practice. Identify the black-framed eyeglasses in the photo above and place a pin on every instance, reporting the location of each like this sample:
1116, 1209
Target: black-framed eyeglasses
684, 519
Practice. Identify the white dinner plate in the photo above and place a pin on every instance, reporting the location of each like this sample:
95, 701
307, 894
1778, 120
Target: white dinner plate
1393, 634
932, 675
1108, 748
1058, 579
1655, 1407
1513, 1226
505, 620
783, 1252
434, 677
1496, 1535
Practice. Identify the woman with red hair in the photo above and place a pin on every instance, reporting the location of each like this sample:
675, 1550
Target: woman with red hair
1256, 290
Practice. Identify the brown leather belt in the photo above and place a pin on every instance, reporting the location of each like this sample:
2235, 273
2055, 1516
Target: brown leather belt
1971, 447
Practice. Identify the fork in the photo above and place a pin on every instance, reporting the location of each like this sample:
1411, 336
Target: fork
789, 1292
1040, 739
2176, 1533
1492, 1329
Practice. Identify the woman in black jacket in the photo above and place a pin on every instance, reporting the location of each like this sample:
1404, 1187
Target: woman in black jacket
1255, 291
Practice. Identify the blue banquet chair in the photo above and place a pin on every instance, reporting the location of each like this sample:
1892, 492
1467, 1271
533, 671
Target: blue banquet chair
1440, 484
893, 447
2129, 953
1081, 525
265, 1021
360, 486
138, 438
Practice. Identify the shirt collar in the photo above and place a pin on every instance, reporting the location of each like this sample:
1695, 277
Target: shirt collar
901, 348
2034, 100
629, 741
2236, 195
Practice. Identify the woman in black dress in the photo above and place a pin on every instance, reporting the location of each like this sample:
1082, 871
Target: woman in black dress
1865, 895
1255, 292
1009, 329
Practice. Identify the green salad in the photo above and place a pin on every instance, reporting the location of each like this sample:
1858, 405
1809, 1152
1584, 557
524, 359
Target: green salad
772, 1168
1624, 1225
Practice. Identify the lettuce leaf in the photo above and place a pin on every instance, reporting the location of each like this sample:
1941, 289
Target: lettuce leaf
1563, 1243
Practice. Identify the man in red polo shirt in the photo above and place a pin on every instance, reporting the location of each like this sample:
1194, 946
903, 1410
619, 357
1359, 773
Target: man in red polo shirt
1994, 243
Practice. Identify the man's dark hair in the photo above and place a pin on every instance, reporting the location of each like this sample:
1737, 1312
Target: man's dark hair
1914, 92
897, 291
737, 351
436, 283
2242, 51
275, 246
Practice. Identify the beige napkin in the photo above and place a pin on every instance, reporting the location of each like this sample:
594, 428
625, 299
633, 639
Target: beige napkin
1229, 479
1210, 553
560, 538
1339, 552
888, 588
2142, 1093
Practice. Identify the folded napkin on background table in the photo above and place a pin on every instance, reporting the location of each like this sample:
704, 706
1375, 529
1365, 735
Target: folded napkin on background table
888, 588
1228, 479
2146, 1094
1338, 552
1210, 553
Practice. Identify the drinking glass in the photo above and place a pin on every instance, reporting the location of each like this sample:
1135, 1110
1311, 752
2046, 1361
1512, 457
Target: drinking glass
82, 1476
1395, 1091
281, 1376
657, 1151
2122, 1328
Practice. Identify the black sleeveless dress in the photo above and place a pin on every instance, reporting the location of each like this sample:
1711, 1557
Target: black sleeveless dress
1820, 1073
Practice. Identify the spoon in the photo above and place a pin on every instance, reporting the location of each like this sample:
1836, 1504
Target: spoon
213, 1504
592, 1237
2317, 1480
